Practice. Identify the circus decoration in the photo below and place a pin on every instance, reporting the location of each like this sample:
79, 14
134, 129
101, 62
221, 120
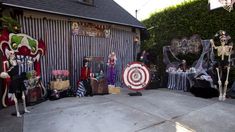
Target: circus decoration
136, 76
93, 72
27, 52
90, 29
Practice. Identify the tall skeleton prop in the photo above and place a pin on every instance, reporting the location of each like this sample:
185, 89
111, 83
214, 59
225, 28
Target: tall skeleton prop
17, 82
223, 50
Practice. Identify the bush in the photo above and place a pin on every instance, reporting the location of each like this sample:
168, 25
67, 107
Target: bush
185, 20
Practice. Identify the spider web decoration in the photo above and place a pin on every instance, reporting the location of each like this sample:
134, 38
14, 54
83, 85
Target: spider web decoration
186, 46
227, 4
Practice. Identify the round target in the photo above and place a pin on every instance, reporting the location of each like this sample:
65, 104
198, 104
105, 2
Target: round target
136, 76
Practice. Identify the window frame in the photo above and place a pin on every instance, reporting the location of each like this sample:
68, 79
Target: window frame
87, 2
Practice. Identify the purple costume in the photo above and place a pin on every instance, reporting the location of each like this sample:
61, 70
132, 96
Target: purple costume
111, 69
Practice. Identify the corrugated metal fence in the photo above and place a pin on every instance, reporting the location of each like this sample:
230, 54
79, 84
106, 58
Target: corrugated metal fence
57, 36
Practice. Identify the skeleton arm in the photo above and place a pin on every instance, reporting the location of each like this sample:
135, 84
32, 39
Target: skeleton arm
10, 69
213, 44
230, 48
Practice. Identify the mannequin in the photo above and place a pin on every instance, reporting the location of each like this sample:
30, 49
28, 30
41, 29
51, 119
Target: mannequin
112, 59
17, 82
85, 78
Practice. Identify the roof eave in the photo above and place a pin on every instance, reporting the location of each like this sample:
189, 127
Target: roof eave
71, 15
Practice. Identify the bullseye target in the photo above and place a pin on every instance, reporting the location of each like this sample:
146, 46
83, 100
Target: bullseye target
136, 76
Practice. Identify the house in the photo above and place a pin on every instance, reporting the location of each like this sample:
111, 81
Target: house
73, 29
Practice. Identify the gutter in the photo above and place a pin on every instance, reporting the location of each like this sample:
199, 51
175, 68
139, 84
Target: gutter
71, 15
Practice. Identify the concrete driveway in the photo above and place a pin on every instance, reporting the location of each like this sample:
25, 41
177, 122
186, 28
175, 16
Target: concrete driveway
159, 110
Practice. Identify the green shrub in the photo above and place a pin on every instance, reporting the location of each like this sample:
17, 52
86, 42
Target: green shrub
185, 20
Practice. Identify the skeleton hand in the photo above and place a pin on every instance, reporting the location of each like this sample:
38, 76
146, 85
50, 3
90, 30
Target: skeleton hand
4, 75
212, 43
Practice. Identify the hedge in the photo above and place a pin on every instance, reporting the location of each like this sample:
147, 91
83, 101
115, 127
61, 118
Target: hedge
184, 20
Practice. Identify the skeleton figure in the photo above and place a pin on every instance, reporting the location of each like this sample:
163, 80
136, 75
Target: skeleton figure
17, 82
223, 60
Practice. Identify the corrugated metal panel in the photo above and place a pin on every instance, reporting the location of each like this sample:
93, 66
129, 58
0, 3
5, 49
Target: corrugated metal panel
56, 34
121, 42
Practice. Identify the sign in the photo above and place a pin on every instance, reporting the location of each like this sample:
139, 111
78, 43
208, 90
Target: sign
90, 29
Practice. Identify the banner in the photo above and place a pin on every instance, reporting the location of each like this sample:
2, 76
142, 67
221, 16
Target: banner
90, 29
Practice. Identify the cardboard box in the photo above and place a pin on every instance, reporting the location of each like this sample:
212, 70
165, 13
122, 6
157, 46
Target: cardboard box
114, 90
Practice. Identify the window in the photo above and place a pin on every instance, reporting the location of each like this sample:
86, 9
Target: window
87, 2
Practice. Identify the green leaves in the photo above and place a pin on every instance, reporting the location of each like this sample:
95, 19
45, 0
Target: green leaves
12, 25
185, 20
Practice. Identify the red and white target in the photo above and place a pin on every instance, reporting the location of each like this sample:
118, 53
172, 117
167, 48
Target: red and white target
136, 76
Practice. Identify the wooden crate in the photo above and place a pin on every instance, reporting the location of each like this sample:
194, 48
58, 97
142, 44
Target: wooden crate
99, 86
114, 90
60, 85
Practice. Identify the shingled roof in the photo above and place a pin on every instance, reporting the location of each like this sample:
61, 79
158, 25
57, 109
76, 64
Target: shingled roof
103, 10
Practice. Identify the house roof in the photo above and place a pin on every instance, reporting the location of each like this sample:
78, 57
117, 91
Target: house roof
103, 10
